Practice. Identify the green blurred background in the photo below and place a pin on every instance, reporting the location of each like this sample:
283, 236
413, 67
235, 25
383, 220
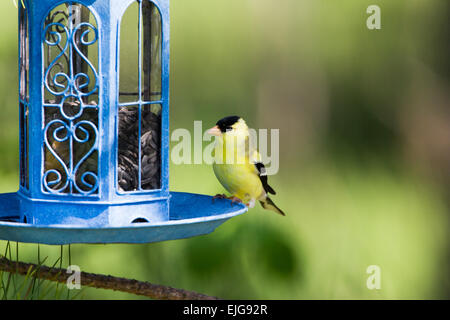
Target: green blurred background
364, 174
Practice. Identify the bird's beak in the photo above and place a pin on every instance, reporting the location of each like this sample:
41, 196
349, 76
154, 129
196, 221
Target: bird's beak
214, 131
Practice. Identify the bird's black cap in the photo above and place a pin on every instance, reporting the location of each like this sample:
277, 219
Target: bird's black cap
225, 124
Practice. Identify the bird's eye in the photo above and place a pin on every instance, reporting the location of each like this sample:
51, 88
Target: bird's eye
228, 128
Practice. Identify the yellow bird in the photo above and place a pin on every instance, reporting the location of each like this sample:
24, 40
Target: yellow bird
238, 168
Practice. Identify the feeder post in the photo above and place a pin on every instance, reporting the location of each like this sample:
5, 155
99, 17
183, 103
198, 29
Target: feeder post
71, 117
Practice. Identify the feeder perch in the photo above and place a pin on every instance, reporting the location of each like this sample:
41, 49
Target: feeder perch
94, 129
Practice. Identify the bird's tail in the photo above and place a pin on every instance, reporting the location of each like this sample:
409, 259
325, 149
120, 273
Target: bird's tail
268, 204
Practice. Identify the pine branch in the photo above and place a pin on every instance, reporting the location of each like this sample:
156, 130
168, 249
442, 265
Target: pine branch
100, 281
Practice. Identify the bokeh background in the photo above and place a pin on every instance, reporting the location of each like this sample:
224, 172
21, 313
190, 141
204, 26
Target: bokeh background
364, 118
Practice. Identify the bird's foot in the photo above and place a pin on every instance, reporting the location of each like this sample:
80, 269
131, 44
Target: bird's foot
219, 196
223, 196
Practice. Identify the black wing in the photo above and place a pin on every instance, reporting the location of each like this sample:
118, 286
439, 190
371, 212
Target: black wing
263, 177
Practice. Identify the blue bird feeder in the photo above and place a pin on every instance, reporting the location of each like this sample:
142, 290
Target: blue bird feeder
94, 129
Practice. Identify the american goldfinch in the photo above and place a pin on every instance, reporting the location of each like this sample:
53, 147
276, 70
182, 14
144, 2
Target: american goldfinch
238, 168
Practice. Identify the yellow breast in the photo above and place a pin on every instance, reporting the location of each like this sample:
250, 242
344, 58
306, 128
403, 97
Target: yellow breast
237, 175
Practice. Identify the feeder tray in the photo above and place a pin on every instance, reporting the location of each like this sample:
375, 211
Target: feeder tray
190, 215
94, 129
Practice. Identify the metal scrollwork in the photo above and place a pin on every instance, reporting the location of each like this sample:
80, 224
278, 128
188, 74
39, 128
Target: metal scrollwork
70, 131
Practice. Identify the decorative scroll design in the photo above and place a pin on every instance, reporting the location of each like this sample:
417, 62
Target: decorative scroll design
70, 122
60, 16
72, 177
71, 84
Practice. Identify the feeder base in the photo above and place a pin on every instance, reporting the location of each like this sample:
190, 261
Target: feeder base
37, 212
189, 215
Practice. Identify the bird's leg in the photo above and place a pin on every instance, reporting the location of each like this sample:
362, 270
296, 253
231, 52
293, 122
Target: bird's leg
235, 199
